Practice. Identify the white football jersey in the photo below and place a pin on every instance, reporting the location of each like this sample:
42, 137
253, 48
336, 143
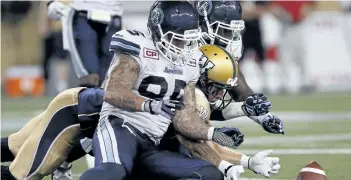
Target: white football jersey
158, 79
114, 7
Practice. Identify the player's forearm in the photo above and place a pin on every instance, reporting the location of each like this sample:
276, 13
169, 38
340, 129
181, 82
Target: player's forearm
226, 154
242, 90
120, 80
211, 151
125, 100
201, 150
189, 124
233, 110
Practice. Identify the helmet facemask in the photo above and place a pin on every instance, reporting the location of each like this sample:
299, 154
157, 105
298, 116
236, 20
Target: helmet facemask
225, 35
216, 93
178, 48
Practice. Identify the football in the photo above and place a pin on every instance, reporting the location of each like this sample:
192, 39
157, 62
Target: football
312, 171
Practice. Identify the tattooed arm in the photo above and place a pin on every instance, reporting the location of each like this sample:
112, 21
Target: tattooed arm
120, 82
242, 90
186, 121
200, 149
210, 151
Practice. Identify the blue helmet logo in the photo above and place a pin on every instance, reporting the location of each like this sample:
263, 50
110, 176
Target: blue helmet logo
157, 16
204, 7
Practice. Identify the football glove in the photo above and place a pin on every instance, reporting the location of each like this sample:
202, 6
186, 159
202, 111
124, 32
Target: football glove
261, 164
270, 123
230, 171
165, 108
234, 133
55, 9
256, 105
230, 137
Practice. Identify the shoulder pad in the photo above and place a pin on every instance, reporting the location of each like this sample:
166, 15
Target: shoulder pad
127, 41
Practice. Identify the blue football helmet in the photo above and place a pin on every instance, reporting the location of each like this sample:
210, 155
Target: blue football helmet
174, 27
221, 23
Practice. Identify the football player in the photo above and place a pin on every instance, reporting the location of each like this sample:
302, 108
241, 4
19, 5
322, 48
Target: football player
221, 25
218, 74
90, 100
87, 30
151, 77
45, 142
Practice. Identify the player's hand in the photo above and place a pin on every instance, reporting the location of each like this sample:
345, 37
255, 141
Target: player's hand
261, 164
230, 171
55, 10
270, 123
256, 105
234, 133
236, 49
165, 108
230, 138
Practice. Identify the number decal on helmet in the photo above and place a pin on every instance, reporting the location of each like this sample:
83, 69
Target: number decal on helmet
232, 82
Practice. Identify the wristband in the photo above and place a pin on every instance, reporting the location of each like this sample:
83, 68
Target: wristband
244, 161
224, 166
144, 107
210, 133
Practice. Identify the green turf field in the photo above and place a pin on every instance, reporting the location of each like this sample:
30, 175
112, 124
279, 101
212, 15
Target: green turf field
323, 134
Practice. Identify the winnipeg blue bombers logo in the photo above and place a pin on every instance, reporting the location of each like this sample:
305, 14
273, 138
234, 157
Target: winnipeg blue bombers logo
204, 7
157, 16
203, 113
205, 64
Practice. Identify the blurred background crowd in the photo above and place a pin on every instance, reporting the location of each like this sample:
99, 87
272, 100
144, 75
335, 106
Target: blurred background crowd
289, 46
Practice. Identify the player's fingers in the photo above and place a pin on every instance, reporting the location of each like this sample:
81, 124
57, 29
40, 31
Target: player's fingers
170, 105
276, 167
268, 104
265, 174
275, 160
273, 172
262, 97
265, 153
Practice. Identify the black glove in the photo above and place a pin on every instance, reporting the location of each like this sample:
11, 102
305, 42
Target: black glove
165, 108
226, 136
273, 124
234, 133
256, 105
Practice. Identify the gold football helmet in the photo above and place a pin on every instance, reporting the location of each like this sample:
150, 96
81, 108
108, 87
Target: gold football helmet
219, 72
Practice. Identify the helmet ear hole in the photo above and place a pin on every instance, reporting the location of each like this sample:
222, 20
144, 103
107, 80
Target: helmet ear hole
202, 80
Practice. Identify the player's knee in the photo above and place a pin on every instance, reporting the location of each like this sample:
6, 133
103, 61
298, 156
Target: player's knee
108, 171
6, 153
6, 174
15, 141
209, 173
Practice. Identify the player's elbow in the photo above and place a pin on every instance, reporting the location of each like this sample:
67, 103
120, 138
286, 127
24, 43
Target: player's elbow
108, 97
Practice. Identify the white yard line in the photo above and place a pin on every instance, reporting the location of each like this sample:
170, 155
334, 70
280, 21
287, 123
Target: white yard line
297, 117
241, 178
14, 122
261, 140
260, 179
300, 151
